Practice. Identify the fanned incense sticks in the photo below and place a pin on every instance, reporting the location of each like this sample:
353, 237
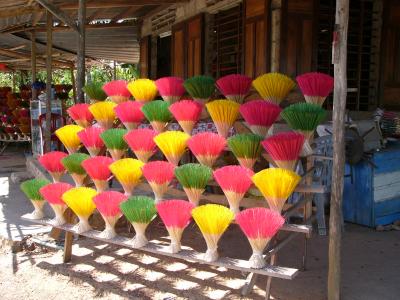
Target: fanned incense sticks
141, 142
31, 190
273, 87
159, 175
234, 87
98, 170
143, 89
73, 164
130, 114
158, 114
246, 147
114, 140
103, 112
81, 114
68, 135
117, 91
315, 86
52, 193
51, 161
90, 138
172, 144
207, 147
170, 88
187, 113
224, 114
95, 91
128, 172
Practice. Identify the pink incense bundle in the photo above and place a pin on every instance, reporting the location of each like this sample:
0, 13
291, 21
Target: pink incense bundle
51, 161
260, 115
259, 225
107, 203
117, 91
159, 175
52, 193
284, 148
176, 215
234, 87
315, 86
170, 88
141, 143
90, 138
98, 169
130, 113
187, 113
80, 114
234, 182
207, 147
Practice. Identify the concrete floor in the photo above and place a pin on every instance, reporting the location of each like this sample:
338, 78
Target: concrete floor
370, 260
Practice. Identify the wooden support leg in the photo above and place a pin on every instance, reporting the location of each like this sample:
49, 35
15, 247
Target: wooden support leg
68, 246
269, 279
248, 286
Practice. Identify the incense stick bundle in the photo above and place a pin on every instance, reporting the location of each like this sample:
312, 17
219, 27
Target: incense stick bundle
234, 182
107, 203
207, 147
172, 144
130, 114
170, 88
246, 147
187, 113
31, 190
234, 87
52, 193
51, 161
140, 211
224, 114
117, 91
273, 87
90, 138
73, 164
98, 169
68, 135
200, 88
80, 200
194, 179
143, 89
159, 175
259, 225
315, 86
95, 91
81, 114
114, 140
128, 172
104, 114
212, 220
176, 215
141, 142
158, 114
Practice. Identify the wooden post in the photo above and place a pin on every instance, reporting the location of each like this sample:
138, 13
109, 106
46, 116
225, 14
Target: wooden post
33, 63
80, 74
114, 71
339, 57
49, 50
73, 84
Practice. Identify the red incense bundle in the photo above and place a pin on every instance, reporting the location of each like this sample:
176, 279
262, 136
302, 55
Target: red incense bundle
260, 115
141, 143
107, 203
52, 193
81, 114
51, 161
284, 148
234, 87
176, 215
187, 113
130, 113
90, 138
315, 86
207, 147
117, 91
98, 170
159, 175
259, 225
170, 88
234, 182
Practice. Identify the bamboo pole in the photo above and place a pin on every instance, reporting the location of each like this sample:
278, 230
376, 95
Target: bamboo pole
33, 63
49, 50
339, 57
80, 74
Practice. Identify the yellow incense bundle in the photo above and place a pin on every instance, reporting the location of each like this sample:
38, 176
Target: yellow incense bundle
68, 135
224, 114
172, 144
104, 113
128, 172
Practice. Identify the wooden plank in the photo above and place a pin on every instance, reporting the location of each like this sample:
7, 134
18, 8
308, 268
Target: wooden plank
49, 50
187, 253
80, 70
58, 13
33, 63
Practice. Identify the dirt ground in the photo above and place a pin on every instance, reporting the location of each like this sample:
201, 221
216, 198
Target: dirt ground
370, 262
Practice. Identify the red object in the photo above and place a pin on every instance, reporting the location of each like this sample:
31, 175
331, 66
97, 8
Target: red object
207, 146
234, 87
116, 88
51, 161
90, 138
3, 68
141, 142
170, 87
259, 222
107, 203
284, 146
260, 113
175, 213
130, 113
186, 110
98, 167
57, 121
159, 172
53, 192
80, 114
235, 179
315, 84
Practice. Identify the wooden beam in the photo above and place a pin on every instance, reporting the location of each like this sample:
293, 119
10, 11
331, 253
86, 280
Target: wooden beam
80, 74
125, 14
14, 12
339, 109
17, 47
58, 13
49, 49
73, 84
119, 3
33, 63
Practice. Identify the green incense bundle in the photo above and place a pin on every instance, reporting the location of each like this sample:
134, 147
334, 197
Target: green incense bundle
158, 114
31, 189
95, 92
246, 147
201, 88
140, 211
114, 140
194, 179
73, 164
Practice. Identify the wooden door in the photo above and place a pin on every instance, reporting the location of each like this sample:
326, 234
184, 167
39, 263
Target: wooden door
195, 46
297, 47
257, 37
144, 59
178, 50
390, 56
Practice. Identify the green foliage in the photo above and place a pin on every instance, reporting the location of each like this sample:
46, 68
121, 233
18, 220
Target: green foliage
193, 175
139, 209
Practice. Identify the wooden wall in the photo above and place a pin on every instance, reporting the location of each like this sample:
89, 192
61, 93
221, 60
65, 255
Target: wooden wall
257, 29
145, 55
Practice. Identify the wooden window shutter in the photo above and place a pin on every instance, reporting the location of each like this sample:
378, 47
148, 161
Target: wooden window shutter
144, 60
257, 19
178, 51
195, 45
